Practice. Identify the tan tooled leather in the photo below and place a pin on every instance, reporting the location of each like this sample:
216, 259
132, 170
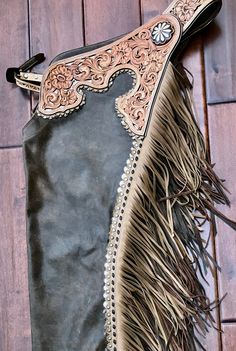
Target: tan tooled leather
63, 85
185, 10
136, 53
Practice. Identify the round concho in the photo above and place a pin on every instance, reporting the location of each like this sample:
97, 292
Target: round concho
162, 33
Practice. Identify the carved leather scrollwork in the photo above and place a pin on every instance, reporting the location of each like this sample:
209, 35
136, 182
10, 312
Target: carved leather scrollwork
185, 9
63, 83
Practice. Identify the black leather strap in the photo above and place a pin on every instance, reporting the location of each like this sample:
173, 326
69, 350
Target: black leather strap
203, 19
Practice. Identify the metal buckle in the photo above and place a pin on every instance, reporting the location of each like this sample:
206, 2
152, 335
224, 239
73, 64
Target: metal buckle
22, 77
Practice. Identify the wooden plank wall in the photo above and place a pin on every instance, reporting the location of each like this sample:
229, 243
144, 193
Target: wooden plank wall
220, 72
55, 26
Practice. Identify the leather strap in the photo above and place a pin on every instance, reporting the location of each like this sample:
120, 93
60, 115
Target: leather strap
194, 15
23, 78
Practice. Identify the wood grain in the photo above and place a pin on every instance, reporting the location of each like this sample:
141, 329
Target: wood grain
14, 43
220, 56
14, 301
56, 26
222, 127
106, 19
229, 337
152, 8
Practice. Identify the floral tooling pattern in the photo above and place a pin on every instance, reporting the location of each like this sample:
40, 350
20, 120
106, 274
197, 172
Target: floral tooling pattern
185, 9
137, 54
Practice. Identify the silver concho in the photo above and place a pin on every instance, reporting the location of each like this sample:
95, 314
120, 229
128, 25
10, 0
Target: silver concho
162, 33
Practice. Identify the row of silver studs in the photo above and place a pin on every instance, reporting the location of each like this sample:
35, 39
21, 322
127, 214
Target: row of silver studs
88, 88
119, 114
66, 113
123, 190
113, 242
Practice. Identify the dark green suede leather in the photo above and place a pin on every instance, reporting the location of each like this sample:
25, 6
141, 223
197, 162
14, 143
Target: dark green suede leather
73, 167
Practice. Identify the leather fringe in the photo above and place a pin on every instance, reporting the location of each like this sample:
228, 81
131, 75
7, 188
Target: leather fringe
162, 302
